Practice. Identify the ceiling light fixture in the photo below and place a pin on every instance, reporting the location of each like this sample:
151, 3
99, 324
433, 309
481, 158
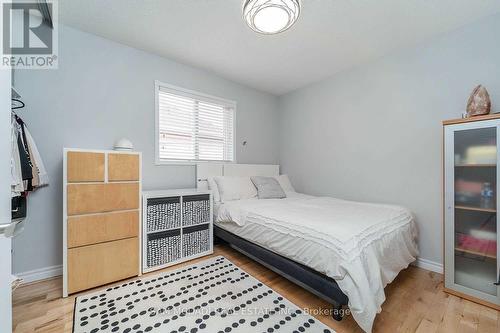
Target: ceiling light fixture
271, 16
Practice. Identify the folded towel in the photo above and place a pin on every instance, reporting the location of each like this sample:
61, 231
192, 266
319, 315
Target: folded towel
484, 246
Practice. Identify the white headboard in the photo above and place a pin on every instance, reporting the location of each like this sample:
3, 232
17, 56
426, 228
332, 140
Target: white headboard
207, 170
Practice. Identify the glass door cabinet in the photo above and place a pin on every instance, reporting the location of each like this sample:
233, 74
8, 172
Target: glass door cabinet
471, 159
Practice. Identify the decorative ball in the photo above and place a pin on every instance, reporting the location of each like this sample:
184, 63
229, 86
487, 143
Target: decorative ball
123, 144
479, 102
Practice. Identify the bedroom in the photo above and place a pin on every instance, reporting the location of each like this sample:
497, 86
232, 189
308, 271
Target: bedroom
348, 102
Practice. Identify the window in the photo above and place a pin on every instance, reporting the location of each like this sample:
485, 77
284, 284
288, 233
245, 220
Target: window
192, 127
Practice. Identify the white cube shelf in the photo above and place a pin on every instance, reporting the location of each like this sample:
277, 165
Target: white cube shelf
177, 226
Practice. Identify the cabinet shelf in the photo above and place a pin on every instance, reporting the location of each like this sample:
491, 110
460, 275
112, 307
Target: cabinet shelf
475, 165
162, 230
174, 228
491, 256
476, 209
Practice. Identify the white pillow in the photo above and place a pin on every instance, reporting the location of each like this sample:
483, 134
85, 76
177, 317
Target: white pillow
285, 183
212, 185
235, 188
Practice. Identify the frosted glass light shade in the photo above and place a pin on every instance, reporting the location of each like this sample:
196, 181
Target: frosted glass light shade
271, 16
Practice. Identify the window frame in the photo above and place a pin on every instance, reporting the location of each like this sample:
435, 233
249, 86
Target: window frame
205, 97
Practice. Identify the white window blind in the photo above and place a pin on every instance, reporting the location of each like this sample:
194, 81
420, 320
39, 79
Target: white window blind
193, 126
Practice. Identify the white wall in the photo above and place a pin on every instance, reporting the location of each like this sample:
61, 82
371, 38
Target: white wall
374, 133
103, 91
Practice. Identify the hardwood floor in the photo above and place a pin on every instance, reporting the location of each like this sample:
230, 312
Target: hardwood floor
415, 303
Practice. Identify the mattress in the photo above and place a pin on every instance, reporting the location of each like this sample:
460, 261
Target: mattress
362, 246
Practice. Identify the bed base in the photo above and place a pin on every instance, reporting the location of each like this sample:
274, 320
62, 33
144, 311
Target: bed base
316, 283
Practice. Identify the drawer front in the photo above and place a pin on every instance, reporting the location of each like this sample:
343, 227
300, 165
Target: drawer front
93, 229
99, 198
95, 265
85, 167
123, 167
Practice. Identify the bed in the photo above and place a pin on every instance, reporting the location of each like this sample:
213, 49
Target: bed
343, 251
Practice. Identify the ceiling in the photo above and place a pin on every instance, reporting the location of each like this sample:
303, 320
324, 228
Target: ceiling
330, 35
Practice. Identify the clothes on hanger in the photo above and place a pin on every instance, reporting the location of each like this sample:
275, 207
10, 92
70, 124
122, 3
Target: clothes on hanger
17, 185
41, 173
27, 169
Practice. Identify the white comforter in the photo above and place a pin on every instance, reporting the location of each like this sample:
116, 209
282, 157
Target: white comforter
362, 246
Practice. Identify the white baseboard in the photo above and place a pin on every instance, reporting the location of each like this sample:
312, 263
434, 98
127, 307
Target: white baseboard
40, 273
53, 271
428, 265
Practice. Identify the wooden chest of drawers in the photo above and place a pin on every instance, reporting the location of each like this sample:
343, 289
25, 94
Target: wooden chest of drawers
101, 213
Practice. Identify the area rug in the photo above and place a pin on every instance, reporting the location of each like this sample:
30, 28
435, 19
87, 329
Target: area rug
210, 296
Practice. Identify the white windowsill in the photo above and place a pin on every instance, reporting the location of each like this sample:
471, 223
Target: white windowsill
188, 163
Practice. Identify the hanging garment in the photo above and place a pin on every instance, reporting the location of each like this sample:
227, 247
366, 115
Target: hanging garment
26, 171
43, 177
35, 181
26, 165
17, 186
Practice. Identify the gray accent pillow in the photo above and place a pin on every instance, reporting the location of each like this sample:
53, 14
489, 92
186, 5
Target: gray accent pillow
268, 188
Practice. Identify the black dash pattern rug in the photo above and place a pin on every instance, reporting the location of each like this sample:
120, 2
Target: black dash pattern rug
210, 296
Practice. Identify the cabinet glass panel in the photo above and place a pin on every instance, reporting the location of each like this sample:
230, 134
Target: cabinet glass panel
475, 209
